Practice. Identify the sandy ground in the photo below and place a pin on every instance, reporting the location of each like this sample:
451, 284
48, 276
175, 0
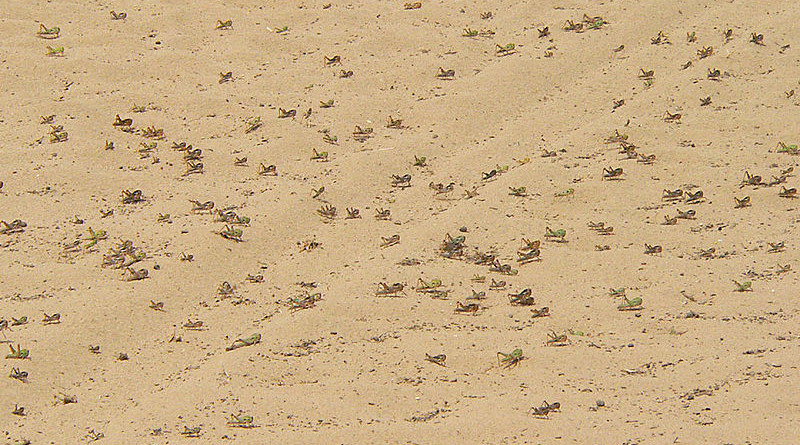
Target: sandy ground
698, 363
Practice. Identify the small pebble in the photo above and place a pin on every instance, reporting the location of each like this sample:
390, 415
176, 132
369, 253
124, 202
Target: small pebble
463, 229
600, 403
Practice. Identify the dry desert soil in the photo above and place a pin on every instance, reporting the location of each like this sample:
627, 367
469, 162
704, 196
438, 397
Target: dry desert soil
372, 222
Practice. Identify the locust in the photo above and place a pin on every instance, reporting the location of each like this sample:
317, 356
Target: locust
243, 342
555, 235
227, 24
506, 50
554, 339
231, 233
633, 304
522, 298
241, 421
545, 409
387, 290
19, 353
438, 359
648, 249
746, 286
543, 312
511, 359
118, 16
267, 170
446, 74
48, 33
390, 241
612, 173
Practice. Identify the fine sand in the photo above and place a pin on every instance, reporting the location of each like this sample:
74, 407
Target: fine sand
698, 363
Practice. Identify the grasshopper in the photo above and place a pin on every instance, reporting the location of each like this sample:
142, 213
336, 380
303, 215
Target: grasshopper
438, 359
670, 221
199, 207
242, 342
705, 51
225, 77
789, 149
714, 74
478, 278
469, 32
528, 245
670, 117
518, 191
241, 421
319, 156
728, 34
47, 120
611, 173
522, 298
496, 285
48, 33
282, 30
672, 195
58, 136
693, 198
705, 101
776, 247
555, 235
193, 325
120, 122
52, 319
19, 353
544, 32
352, 213
633, 304
227, 24
95, 237
646, 75
240, 162
660, 39
389, 290
327, 211
440, 188
545, 409
646, 159
619, 292
252, 124
691, 37
316, 193
94, 349
22, 376
118, 16
283, 114
345, 74
554, 339
16, 226
333, 140
383, 214
157, 306
506, 50
403, 181
134, 275
428, 286
528, 257
335, 60
231, 233
788, 193
327, 104
267, 170
55, 52
412, 5
390, 241
65, 399
651, 250
446, 74
504, 269
511, 359
743, 287
191, 432
469, 308
750, 180
133, 197
543, 312
255, 278
741, 203
394, 123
